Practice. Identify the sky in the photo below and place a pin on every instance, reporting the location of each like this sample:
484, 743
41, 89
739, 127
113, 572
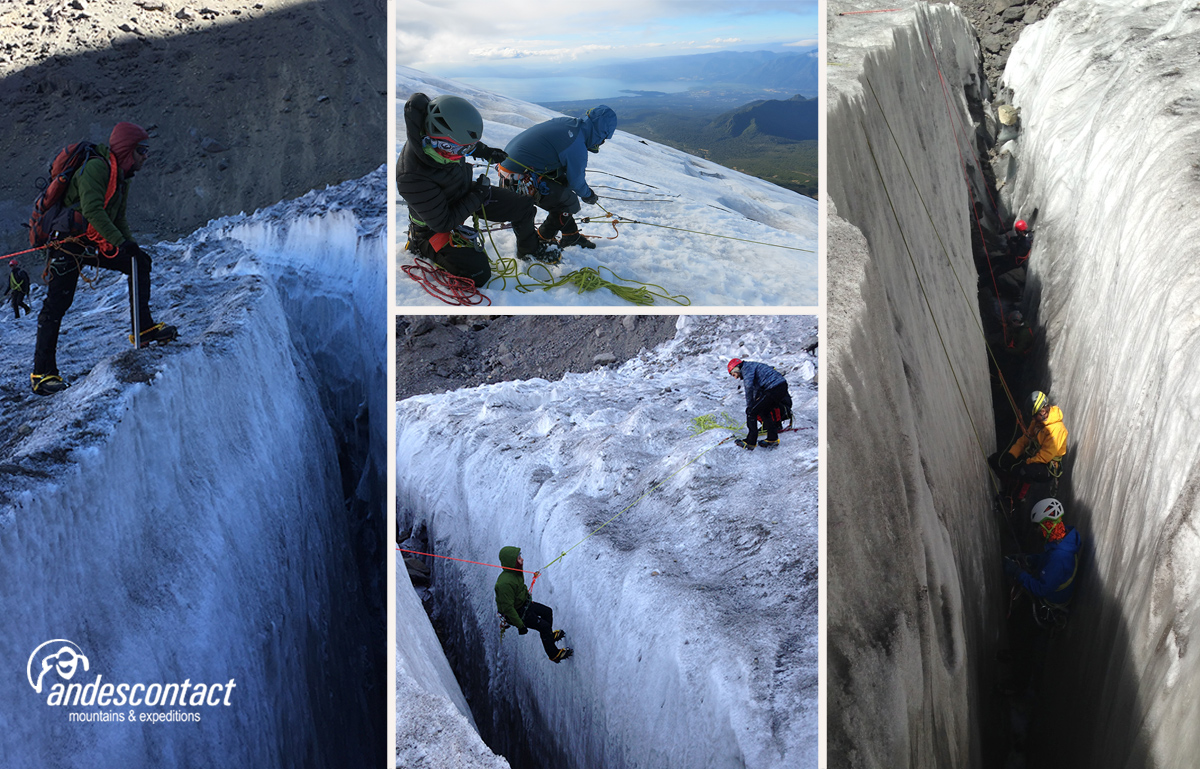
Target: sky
457, 37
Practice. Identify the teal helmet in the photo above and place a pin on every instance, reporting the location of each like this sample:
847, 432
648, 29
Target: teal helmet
454, 118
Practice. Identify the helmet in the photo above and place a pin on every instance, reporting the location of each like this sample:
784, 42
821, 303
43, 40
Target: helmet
734, 363
1016, 318
1037, 401
12, 262
1020, 225
453, 117
1046, 510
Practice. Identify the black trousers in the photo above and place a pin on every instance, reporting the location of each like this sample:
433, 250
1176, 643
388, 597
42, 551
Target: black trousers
557, 198
505, 206
1003, 462
773, 406
540, 617
18, 302
65, 263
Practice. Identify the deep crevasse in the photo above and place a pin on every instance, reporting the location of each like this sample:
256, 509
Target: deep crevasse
693, 615
190, 521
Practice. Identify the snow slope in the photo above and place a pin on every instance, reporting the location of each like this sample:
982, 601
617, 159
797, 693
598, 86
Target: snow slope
693, 614
201, 510
1108, 99
914, 591
672, 188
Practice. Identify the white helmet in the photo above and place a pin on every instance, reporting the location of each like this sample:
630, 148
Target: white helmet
1048, 509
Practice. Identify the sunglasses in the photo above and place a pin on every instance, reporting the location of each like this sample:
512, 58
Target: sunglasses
448, 148
142, 149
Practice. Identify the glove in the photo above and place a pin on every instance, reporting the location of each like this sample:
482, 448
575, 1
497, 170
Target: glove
132, 250
483, 188
1011, 570
497, 156
590, 198
522, 630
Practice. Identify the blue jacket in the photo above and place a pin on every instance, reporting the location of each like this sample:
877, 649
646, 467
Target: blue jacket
757, 378
1055, 569
561, 145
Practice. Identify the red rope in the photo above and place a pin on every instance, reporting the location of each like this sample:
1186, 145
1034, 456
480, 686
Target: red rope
477, 563
39, 248
451, 289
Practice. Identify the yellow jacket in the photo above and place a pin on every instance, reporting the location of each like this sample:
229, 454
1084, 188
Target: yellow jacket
1051, 439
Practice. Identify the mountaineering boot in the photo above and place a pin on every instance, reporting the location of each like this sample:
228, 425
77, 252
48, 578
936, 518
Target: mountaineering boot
575, 240
47, 384
546, 253
558, 635
548, 230
571, 235
159, 332
769, 444
562, 654
742, 443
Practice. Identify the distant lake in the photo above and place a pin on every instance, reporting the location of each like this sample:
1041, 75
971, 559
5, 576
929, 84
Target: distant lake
567, 88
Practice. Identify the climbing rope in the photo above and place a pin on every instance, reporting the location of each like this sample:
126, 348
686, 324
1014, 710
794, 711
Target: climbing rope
617, 218
442, 285
925, 296
946, 251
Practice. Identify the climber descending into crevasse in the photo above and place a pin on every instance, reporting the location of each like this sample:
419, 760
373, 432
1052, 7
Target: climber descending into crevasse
519, 609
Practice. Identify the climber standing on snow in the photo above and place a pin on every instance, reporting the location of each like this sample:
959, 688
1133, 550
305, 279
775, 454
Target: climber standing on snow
18, 287
434, 178
1037, 455
767, 399
520, 611
99, 190
548, 161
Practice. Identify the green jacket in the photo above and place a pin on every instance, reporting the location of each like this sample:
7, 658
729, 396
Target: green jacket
85, 192
511, 593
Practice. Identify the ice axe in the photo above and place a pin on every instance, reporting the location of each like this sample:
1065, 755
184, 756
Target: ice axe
133, 302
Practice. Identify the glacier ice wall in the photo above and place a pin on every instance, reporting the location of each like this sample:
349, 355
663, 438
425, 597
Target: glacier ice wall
914, 594
179, 513
1108, 98
693, 615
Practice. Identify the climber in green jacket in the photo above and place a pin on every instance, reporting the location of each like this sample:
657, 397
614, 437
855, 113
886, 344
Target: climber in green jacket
520, 611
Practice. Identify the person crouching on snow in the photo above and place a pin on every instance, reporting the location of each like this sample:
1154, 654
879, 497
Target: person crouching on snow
767, 399
555, 153
514, 604
434, 178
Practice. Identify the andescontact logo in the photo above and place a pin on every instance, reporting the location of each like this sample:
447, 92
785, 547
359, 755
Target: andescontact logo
58, 669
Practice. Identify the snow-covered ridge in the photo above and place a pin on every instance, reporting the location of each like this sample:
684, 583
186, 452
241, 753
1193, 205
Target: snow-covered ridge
688, 192
693, 614
179, 513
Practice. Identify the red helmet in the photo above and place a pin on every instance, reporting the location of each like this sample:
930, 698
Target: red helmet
12, 263
1020, 225
734, 363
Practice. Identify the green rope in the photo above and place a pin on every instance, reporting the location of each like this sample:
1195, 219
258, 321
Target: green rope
652, 489
706, 422
505, 269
